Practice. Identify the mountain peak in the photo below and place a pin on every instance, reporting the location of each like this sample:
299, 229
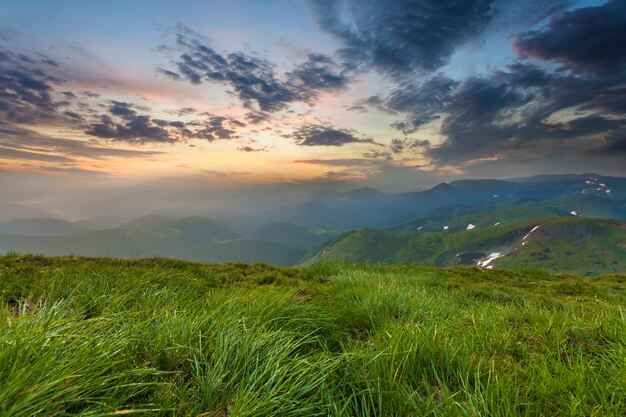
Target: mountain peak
364, 192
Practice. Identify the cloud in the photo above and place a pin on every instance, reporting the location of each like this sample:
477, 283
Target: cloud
256, 117
253, 79
586, 40
26, 144
251, 149
614, 145
345, 162
10, 153
124, 123
26, 92
399, 37
508, 111
422, 103
139, 129
377, 155
75, 171
326, 135
318, 73
212, 128
171, 74
398, 146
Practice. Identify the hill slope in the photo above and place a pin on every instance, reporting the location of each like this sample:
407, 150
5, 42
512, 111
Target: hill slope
588, 246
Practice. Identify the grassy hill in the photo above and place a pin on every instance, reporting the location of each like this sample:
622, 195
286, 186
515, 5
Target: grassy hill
102, 337
192, 238
589, 246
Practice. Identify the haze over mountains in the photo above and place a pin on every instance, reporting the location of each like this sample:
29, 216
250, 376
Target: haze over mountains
457, 223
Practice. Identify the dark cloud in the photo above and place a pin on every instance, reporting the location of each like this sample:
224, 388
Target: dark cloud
27, 144
256, 117
507, 111
398, 146
421, 103
183, 111
253, 79
50, 62
374, 154
212, 128
589, 39
123, 110
75, 171
171, 74
26, 92
401, 36
614, 145
318, 73
348, 162
10, 153
90, 94
251, 149
69, 95
124, 123
139, 129
358, 108
326, 135
475, 123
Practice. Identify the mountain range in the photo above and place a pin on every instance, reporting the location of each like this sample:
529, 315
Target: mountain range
580, 220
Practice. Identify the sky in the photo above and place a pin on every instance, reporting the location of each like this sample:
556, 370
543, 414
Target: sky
332, 94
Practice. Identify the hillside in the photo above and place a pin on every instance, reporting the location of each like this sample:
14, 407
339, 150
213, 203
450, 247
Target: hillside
588, 246
159, 337
193, 238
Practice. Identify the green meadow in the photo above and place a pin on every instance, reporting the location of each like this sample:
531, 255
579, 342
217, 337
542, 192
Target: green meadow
103, 337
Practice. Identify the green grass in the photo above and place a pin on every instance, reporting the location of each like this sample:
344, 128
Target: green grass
102, 337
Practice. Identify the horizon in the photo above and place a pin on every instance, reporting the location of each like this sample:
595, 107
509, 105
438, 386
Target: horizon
238, 202
97, 97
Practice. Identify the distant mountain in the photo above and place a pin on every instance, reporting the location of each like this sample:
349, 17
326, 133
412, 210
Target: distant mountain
19, 211
97, 223
369, 208
363, 193
40, 227
192, 238
587, 246
294, 234
463, 217
149, 220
